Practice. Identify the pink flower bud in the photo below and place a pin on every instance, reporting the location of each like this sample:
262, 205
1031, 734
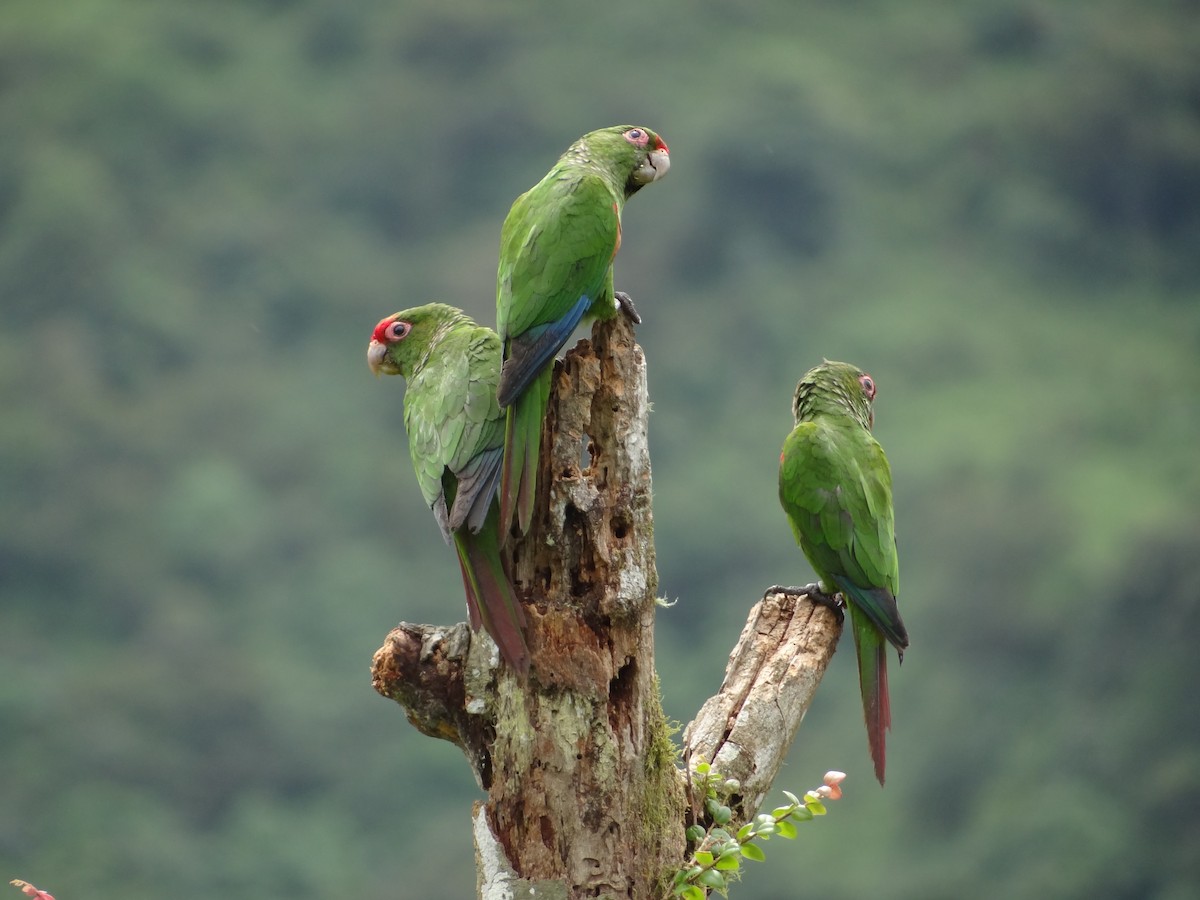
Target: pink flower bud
30, 891
832, 790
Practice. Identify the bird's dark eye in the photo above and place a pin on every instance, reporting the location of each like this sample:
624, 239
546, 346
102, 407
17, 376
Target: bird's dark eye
398, 330
868, 386
635, 136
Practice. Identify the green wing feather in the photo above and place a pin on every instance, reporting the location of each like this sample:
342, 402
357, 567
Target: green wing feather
835, 486
556, 251
437, 392
557, 244
476, 460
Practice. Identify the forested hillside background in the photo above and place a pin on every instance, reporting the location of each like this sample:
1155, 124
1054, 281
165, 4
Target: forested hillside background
209, 520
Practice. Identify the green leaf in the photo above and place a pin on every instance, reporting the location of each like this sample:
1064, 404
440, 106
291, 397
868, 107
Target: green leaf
745, 831
703, 857
795, 801
816, 807
730, 862
691, 892
782, 812
702, 768
785, 829
754, 852
801, 814
711, 878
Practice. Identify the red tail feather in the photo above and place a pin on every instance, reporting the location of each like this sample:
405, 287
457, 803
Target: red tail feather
871, 648
877, 706
491, 600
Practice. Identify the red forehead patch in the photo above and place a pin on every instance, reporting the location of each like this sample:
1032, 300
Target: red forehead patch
378, 333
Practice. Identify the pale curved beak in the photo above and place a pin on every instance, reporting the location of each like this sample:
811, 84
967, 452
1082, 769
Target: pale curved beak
375, 354
656, 165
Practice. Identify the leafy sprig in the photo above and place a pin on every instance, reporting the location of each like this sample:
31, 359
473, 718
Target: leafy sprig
716, 861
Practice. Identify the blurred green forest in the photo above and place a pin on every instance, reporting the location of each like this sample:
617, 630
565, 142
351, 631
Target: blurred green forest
210, 521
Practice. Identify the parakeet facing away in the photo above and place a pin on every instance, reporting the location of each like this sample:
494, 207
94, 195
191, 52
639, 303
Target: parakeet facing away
556, 252
455, 438
836, 488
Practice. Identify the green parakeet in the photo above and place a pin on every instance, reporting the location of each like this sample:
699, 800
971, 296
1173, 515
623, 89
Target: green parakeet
556, 252
836, 488
455, 438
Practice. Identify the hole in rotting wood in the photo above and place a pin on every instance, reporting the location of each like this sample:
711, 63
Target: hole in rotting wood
620, 527
620, 694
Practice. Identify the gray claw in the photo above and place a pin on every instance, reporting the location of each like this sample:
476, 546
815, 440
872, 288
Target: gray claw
625, 302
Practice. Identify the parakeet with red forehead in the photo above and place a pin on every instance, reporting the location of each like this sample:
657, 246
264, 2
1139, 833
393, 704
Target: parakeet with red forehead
556, 252
455, 439
836, 488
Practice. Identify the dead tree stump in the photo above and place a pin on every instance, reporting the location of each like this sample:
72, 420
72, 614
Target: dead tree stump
585, 795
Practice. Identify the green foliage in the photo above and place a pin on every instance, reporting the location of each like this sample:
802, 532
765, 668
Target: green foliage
718, 850
207, 527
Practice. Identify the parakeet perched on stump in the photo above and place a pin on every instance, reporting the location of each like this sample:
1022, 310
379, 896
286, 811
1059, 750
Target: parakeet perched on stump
836, 488
455, 438
556, 252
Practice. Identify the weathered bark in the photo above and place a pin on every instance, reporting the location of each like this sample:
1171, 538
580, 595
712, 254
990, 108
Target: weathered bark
746, 729
584, 795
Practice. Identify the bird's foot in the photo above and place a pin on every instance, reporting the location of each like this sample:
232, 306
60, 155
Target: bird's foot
829, 601
813, 592
625, 304
793, 589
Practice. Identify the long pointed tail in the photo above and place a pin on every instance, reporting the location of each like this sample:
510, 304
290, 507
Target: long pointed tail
491, 600
871, 648
522, 445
